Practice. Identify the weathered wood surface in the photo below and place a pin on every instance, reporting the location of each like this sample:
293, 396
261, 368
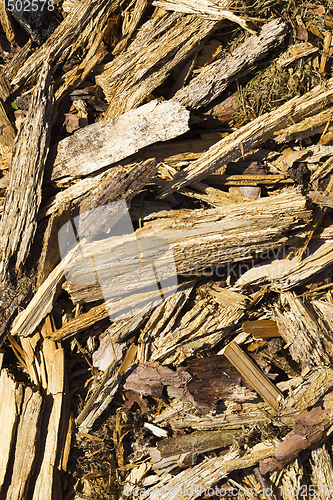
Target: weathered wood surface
182, 450
197, 239
127, 185
25, 452
84, 196
323, 199
182, 415
216, 77
285, 274
10, 405
132, 18
24, 191
107, 142
7, 24
322, 471
87, 17
13, 67
201, 477
12, 299
306, 128
7, 136
203, 8
74, 77
309, 339
159, 46
53, 363
251, 135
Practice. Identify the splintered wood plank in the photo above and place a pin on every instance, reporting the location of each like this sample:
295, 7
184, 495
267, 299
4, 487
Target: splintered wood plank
248, 180
107, 142
71, 79
24, 191
204, 8
255, 377
306, 128
54, 362
11, 300
123, 183
81, 322
228, 297
41, 304
190, 483
182, 415
321, 198
159, 46
7, 136
26, 446
309, 341
216, 77
132, 18
197, 239
87, 16
285, 274
98, 402
251, 135
109, 188
10, 403
315, 384
261, 329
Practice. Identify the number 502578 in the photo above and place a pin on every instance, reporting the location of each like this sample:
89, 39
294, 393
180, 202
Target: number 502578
28, 5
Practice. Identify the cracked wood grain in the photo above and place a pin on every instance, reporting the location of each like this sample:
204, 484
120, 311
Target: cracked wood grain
24, 191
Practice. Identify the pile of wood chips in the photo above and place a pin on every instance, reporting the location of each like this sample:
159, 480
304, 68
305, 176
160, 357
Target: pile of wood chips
166, 250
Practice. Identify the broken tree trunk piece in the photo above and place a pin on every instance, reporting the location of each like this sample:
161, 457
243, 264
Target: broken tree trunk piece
159, 46
255, 377
87, 17
251, 135
107, 142
216, 77
194, 241
26, 448
310, 342
24, 191
204, 8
